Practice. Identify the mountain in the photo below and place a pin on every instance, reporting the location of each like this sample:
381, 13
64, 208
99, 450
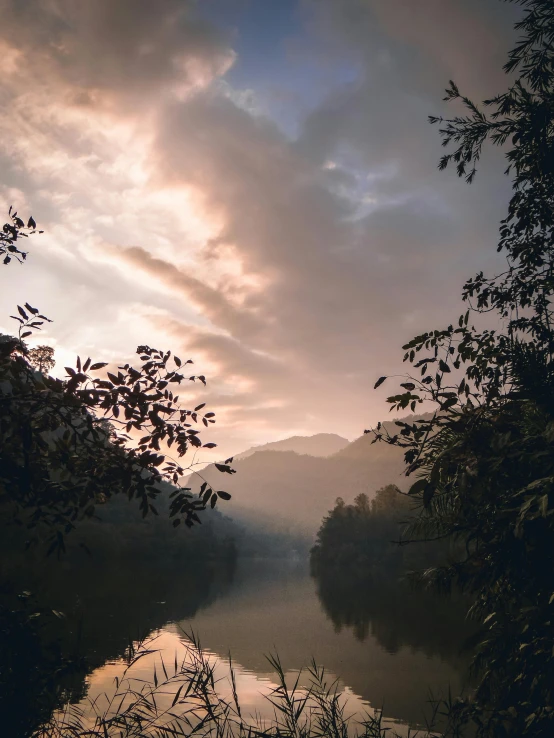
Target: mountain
292, 492
320, 445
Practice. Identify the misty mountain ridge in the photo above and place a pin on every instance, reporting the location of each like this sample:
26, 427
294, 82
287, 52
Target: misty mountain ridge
320, 445
291, 491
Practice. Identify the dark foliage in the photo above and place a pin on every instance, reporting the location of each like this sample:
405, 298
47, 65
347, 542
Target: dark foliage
485, 462
361, 541
365, 543
69, 445
10, 238
68, 449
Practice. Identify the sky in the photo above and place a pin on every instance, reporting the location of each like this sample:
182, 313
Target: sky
252, 184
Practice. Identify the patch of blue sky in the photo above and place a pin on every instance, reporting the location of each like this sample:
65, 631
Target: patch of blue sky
277, 67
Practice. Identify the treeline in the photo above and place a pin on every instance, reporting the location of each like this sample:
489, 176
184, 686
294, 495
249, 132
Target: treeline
365, 539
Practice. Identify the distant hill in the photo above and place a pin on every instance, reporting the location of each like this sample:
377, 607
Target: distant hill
293, 492
320, 445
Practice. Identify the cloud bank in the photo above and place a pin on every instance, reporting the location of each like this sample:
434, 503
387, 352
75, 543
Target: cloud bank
181, 212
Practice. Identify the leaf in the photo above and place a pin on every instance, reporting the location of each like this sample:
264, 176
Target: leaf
443, 366
31, 223
209, 445
379, 382
223, 495
178, 693
27, 333
99, 365
418, 487
22, 313
224, 468
199, 407
31, 309
410, 386
428, 495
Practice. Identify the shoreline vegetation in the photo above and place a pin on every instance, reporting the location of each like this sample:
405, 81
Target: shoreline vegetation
194, 695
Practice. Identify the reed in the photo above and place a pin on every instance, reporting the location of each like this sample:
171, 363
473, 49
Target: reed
187, 698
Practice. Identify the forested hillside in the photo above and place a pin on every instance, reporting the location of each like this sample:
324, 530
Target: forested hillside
293, 491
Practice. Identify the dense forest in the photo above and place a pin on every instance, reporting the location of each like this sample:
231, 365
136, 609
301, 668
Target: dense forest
363, 541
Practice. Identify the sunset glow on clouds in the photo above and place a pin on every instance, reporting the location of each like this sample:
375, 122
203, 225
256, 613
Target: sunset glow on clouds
251, 184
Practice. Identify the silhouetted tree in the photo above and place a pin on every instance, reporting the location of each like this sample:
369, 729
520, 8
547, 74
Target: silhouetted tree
485, 461
42, 358
67, 445
360, 540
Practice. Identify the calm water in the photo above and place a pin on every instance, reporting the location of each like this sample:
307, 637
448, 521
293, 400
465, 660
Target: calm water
389, 647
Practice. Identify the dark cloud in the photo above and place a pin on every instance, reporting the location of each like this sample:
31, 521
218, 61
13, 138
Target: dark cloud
425, 41
404, 53
122, 47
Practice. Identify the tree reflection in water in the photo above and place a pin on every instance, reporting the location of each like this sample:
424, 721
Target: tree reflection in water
397, 615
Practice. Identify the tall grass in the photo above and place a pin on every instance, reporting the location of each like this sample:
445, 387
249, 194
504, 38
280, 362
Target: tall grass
186, 698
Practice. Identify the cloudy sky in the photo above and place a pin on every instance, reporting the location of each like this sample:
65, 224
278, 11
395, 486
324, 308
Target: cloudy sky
250, 183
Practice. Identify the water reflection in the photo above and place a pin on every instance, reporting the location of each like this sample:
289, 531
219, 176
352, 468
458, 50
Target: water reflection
389, 646
398, 649
398, 616
105, 605
255, 691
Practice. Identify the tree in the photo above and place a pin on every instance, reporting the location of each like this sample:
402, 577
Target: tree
361, 503
69, 444
484, 462
42, 358
358, 540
